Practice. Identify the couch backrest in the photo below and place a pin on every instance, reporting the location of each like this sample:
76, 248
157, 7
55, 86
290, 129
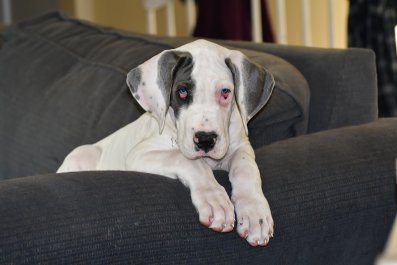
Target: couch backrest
63, 84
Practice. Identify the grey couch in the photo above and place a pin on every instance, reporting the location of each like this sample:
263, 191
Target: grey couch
326, 160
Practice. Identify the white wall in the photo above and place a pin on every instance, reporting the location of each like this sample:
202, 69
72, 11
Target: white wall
319, 22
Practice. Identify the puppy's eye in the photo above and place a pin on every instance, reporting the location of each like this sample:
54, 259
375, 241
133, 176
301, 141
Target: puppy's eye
182, 92
225, 92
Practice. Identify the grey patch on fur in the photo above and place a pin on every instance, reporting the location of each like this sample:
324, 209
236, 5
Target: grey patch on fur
134, 78
258, 83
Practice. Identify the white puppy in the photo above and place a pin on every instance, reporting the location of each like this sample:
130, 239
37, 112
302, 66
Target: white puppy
198, 99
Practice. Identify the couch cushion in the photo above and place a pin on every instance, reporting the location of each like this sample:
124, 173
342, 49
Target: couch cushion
63, 85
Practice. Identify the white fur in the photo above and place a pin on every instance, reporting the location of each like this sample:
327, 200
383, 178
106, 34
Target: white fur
140, 146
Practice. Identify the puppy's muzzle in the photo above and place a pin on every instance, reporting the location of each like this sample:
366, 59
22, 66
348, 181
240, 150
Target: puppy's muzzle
205, 141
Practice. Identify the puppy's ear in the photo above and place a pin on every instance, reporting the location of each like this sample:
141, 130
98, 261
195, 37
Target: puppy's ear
253, 85
151, 82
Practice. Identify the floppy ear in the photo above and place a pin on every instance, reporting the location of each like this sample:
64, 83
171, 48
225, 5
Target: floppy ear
253, 85
151, 82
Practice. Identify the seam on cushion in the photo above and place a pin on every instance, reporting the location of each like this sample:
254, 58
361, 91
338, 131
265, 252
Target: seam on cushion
110, 31
295, 100
23, 33
286, 92
270, 121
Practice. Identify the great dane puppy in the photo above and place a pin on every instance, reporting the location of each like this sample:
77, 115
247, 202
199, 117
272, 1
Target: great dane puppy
198, 99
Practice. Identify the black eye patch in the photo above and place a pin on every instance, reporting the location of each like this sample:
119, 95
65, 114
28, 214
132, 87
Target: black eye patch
183, 86
182, 96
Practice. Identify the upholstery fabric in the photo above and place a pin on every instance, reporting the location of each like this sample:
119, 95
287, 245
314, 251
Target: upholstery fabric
1, 40
63, 85
330, 206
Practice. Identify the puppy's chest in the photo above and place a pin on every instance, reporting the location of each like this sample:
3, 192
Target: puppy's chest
173, 142
216, 164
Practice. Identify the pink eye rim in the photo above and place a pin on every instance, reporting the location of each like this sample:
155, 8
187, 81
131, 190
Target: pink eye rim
183, 92
225, 92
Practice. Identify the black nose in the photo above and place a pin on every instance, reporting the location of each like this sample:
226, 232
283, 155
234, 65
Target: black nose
205, 140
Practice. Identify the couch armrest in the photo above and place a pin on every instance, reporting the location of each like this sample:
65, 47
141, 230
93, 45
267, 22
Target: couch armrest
334, 192
332, 195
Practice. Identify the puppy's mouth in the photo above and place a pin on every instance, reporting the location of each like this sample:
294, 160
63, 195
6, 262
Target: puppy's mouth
197, 153
210, 154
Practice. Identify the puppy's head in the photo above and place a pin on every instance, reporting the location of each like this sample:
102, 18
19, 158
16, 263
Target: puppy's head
200, 84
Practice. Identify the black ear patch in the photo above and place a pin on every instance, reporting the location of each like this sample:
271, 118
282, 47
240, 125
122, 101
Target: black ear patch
259, 85
254, 81
256, 85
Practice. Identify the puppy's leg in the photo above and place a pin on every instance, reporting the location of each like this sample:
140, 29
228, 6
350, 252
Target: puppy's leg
209, 198
83, 158
254, 219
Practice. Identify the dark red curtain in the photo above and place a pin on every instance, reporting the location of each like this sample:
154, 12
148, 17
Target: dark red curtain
229, 19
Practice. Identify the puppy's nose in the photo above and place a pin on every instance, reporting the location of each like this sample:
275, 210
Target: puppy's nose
205, 140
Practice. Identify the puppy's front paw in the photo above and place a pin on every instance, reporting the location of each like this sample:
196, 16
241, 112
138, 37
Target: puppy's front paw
254, 219
214, 208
